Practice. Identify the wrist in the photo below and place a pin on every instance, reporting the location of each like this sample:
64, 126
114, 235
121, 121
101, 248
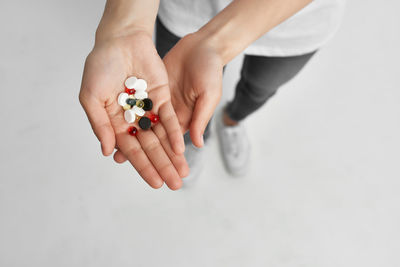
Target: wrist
126, 17
220, 41
106, 32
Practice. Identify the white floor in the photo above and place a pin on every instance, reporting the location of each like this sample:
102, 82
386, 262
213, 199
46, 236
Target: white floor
322, 189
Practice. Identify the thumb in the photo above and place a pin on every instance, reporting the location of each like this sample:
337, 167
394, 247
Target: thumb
203, 110
100, 122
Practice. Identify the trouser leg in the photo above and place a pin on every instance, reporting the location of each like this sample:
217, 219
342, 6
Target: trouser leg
260, 78
165, 39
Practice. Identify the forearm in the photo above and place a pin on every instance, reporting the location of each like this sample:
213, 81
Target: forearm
244, 21
123, 17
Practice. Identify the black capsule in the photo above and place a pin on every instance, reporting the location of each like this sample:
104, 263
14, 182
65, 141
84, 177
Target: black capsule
131, 102
148, 104
144, 123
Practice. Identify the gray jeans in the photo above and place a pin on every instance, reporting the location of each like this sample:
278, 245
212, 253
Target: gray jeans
260, 77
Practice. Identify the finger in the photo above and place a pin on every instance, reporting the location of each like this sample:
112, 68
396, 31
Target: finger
158, 157
203, 110
172, 127
119, 157
133, 151
178, 160
100, 123
130, 147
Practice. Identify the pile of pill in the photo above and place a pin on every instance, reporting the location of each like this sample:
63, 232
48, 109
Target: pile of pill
135, 102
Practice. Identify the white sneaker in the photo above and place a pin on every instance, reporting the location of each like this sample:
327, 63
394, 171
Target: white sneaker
234, 145
195, 159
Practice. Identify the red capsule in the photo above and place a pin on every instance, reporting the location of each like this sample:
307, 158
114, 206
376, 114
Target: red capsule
154, 118
132, 131
130, 91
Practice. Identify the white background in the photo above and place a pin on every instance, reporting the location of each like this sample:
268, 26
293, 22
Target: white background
322, 188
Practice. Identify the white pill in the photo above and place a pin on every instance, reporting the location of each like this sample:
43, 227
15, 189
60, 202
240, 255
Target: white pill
139, 111
130, 82
141, 95
122, 99
130, 116
140, 85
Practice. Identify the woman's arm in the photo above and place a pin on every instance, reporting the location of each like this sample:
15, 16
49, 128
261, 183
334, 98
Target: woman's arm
195, 64
244, 21
124, 47
124, 17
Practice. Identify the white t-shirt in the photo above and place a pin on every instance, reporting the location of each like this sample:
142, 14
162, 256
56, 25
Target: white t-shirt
304, 32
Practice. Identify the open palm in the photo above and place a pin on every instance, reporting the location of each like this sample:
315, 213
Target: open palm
157, 154
195, 79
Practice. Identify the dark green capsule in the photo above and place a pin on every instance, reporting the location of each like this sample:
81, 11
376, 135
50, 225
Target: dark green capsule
131, 101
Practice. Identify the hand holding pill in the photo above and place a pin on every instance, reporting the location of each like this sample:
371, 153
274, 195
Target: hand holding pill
125, 93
